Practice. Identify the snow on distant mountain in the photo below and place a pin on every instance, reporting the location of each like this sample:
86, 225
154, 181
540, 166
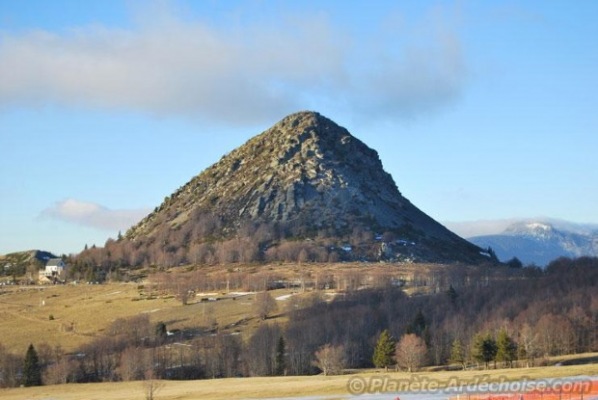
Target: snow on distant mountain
537, 241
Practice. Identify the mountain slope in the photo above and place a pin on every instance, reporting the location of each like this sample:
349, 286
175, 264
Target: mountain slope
539, 242
17, 263
304, 179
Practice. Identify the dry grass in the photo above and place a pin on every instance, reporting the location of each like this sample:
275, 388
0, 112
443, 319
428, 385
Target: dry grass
260, 388
90, 309
82, 312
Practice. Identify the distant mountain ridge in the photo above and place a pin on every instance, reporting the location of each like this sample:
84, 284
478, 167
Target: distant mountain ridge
541, 241
16, 263
27, 256
304, 184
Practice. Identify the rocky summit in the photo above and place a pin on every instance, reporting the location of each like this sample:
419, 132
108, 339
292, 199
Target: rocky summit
305, 181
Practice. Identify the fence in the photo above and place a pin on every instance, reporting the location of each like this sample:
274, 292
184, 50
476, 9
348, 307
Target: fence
571, 390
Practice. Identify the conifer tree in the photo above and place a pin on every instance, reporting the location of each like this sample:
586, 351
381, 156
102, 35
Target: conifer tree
452, 294
32, 371
384, 350
506, 348
161, 332
484, 349
280, 357
457, 356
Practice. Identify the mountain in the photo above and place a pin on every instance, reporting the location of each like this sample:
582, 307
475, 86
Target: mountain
17, 263
304, 183
541, 241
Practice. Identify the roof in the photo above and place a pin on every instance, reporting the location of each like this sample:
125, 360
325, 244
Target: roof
54, 262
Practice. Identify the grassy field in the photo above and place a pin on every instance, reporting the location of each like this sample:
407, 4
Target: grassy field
261, 388
71, 315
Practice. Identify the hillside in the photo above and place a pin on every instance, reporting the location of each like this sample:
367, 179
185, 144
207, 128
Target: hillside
208, 322
539, 242
305, 189
17, 263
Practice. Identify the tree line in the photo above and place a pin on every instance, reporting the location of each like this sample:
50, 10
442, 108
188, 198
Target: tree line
205, 238
499, 322
518, 320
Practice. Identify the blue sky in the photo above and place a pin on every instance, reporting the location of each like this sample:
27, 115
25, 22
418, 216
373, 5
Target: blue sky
480, 110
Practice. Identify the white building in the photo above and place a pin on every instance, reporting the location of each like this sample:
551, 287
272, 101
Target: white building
55, 271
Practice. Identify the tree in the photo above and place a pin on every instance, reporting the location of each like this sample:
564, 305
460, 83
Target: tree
264, 305
261, 350
32, 272
60, 372
457, 356
151, 386
10, 367
528, 341
384, 350
133, 364
330, 359
411, 352
484, 349
452, 294
506, 348
280, 362
160, 332
32, 372
515, 263
418, 326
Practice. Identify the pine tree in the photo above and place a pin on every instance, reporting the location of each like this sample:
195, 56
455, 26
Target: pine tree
32, 371
457, 356
506, 348
452, 294
418, 326
384, 350
161, 332
280, 357
484, 349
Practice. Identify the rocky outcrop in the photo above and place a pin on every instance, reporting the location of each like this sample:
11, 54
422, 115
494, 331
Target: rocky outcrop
311, 176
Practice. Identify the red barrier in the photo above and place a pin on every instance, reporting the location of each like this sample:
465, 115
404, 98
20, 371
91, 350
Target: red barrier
566, 390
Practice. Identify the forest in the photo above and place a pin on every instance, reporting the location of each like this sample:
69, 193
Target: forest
504, 320
208, 241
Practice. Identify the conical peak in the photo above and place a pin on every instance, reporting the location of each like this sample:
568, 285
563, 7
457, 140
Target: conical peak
304, 124
305, 177
304, 119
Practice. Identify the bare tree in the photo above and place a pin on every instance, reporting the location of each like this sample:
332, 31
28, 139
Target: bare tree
151, 386
133, 364
261, 350
528, 344
32, 273
133, 330
411, 352
264, 305
60, 372
10, 367
330, 359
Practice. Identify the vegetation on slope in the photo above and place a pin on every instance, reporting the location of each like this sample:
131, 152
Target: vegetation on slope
532, 314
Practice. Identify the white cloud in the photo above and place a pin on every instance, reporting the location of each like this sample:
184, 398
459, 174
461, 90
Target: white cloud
93, 215
244, 74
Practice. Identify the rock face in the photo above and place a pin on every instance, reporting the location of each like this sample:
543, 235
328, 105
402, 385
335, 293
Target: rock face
312, 179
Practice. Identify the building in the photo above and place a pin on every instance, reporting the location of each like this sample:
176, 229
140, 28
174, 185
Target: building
54, 272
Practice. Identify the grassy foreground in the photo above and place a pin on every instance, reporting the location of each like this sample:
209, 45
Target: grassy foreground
260, 388
71, 316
